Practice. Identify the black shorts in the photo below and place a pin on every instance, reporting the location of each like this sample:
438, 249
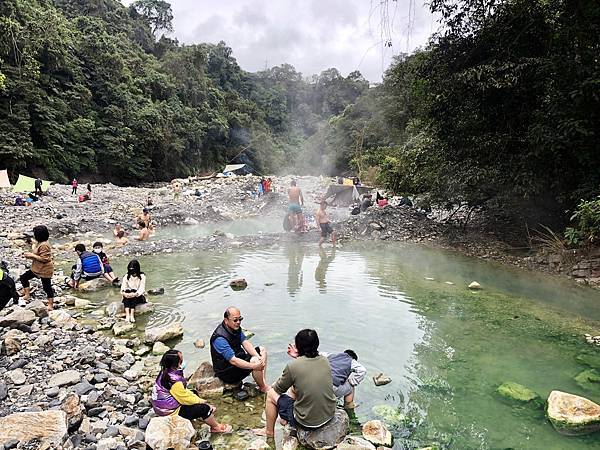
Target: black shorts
131, 303
233, 374
192, 412
326, 229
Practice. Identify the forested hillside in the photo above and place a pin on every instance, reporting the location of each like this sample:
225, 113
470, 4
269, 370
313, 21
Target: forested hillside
86, 89
501, 108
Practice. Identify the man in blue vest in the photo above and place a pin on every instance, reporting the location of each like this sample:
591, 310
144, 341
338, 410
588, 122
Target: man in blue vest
89, 266
233, 356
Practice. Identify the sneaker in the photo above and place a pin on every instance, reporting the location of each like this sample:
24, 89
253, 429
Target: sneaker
22, 302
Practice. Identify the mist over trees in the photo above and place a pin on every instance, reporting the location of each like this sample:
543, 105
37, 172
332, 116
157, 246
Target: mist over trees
86, 88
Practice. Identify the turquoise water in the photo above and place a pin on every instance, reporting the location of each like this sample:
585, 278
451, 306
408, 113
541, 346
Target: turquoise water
445, 348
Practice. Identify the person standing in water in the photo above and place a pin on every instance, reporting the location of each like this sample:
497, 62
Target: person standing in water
296, 202
42, 266
325, 224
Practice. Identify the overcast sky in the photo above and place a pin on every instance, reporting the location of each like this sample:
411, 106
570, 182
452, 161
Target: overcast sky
312, 35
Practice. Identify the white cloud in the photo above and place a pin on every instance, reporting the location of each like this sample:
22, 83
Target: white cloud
312, 35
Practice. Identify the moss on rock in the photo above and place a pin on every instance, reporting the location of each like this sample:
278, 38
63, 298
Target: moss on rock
517, 392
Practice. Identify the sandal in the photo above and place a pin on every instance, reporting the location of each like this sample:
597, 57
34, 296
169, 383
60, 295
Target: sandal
223, 429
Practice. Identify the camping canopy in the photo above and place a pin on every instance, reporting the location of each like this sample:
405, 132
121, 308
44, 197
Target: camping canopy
27, 184
344, 195
4, 181
238, 169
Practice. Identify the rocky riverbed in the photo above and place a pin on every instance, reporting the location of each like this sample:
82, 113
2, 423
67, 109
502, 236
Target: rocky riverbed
78, 377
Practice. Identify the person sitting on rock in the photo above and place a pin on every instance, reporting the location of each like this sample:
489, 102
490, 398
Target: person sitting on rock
133, 289
170, 395
89, 266
8, 289
108, 272
233, 356
144, 232
42, 265
311, 402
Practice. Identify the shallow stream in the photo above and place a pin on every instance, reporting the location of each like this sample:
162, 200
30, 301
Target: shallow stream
446, 348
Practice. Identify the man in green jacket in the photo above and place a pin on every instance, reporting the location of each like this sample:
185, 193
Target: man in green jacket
303, 396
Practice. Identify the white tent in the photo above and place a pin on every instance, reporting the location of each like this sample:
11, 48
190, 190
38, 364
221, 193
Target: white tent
233, 168
4, 181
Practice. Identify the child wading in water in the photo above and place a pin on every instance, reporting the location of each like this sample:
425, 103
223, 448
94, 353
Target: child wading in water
41, 266
133, 288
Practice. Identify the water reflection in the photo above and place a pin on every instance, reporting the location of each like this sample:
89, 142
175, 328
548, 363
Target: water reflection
445, 348
321, 269
295, 254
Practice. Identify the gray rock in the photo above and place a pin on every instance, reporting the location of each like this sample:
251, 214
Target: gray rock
121, 328
164, 333
329, 435
111, 431
39, 308
64, 378
143, 423
93, 412
19, 316
17, 376
82, 388
119, 366
18, 364
130, 420
52, 392
3, 390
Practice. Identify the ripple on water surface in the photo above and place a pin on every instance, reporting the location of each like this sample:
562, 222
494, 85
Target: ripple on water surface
445, 348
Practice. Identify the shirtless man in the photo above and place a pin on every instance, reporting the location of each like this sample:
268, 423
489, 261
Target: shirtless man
144, 232
295, 206
146, 218
323, 220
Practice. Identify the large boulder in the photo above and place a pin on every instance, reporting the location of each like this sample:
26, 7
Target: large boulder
572, 415
19, 316
377, 433
145, 308
38, 307
163, 333
62, 319
50, 427
121, 327
93, 285
329, 435
160, 349
205, 382
169, 432
13, 341
64, 378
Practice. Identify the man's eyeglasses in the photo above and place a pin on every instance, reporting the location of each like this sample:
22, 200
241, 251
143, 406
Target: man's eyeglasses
237, 319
